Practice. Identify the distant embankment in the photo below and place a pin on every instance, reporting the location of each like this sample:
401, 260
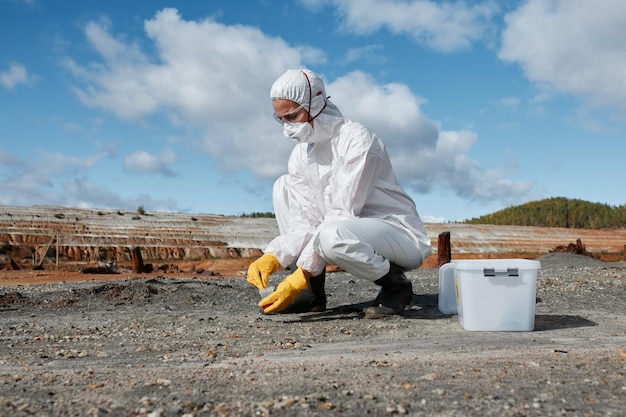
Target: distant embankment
93, 235
83, 235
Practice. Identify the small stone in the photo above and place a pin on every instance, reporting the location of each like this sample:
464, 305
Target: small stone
164, 382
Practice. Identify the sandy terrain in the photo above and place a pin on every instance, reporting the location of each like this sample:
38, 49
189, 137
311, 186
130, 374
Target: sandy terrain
68, 272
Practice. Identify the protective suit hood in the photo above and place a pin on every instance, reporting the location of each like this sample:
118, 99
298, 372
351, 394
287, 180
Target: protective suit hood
306, 88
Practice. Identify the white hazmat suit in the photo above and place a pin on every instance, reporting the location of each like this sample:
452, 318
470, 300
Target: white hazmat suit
340, 202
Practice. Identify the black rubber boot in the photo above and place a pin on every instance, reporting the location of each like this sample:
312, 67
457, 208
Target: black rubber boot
312, 299
395, 294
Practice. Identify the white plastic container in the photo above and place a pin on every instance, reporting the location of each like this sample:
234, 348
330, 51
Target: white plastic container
491, 294
447, 289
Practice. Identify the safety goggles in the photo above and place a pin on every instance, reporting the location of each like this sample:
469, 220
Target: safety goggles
288, 117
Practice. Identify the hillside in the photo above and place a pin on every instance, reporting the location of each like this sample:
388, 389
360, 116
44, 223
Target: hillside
558, 212
91, 236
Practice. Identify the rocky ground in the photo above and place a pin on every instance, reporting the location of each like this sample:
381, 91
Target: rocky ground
193, 345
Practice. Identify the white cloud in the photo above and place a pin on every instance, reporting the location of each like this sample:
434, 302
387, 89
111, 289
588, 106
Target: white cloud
60, 180
16, 74
372, 53
9, 160
39, 180
573, 46
433, 219
202, 69
205, 73
313, 56
391, 108
446, 27
142, 161
217, 78
424, 156
509, 102
86, 194
56, 163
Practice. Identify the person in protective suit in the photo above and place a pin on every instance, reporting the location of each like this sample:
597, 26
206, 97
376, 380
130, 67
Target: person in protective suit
340, 204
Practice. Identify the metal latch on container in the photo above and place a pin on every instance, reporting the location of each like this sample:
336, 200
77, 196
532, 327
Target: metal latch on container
491, 272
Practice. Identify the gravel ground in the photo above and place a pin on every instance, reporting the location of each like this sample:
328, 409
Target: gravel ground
192, 347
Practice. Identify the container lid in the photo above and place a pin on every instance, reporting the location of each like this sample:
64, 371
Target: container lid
480, 264
447, 290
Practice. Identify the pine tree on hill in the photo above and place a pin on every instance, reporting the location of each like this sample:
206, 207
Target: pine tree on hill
558, 212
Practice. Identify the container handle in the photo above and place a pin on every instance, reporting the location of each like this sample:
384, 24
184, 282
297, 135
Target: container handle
491, 272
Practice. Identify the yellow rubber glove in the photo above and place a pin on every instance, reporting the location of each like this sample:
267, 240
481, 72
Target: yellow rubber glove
261, 269
285, 293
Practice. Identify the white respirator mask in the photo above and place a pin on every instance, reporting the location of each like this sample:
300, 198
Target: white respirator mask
299, 132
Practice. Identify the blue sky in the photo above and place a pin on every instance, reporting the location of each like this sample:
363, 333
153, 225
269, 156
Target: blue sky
482, 104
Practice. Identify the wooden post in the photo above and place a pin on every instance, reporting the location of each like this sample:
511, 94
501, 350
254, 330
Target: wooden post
57, 254
137, 260
625, 252
444, 253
